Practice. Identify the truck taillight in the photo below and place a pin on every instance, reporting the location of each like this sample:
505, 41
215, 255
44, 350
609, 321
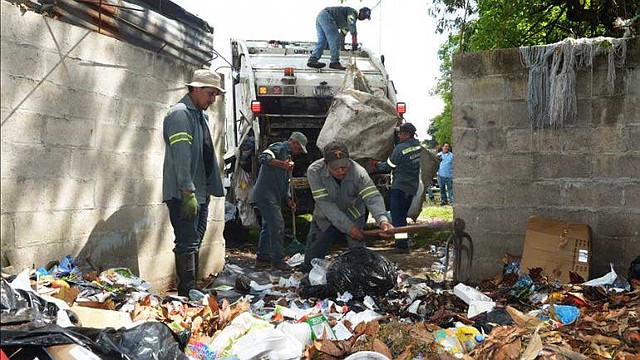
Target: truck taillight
401, 108
288, 71
256, 108
262, 90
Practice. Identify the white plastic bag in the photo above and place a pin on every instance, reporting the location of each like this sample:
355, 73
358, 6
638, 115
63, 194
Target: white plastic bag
318, 274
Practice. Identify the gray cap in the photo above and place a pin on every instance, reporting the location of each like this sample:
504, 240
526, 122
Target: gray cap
300, 138
336, 154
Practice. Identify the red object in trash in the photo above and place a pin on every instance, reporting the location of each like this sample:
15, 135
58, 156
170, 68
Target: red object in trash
3, 356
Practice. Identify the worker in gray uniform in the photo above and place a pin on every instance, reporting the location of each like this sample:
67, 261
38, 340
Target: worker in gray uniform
268, 195
342, 190
404, 164
190, 173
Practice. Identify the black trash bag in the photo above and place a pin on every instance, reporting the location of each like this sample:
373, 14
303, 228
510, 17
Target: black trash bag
19, 306
361, 272
149, 340
234, 232
306, 290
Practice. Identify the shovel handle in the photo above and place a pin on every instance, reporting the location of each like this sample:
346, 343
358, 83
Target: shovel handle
410, 229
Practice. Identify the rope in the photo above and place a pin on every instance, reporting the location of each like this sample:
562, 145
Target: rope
551, 89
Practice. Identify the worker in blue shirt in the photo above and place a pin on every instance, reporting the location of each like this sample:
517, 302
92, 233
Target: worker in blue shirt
271, 190
332, 24
445, 175
404, 164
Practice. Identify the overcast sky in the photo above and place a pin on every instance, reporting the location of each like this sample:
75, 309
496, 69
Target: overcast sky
400, 29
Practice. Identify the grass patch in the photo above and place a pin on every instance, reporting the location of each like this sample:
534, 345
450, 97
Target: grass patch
444, 213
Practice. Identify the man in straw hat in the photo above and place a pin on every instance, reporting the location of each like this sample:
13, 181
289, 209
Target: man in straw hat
190, 173
342, 191
270, 191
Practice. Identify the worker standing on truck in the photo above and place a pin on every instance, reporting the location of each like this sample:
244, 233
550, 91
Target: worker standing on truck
332, 23
190, 173
271, 189
404, 163
342, 190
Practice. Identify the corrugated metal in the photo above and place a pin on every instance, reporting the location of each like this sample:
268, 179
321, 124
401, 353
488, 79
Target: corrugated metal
157, 25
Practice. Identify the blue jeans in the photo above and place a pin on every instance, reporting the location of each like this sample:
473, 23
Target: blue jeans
270, 241
328, 34
188, 233
400, 203
446, 185
319, 242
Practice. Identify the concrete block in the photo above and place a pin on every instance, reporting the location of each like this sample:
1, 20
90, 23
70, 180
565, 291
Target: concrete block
48, 98
37, 255
631, 106
516, 86
99, 50
135, 59
491, 140
601, 139
7, 231
607, 250
142, 114
548, 140
42, 227
479, 194
584, 115
504, 61
113, 137
601, 86
161, 277
23, 194
68, 194
90, 105
150, 190
466, 140
631, 195
584, 84
112, 193
519, 141
467, 166
87, 164
23, 128
595, 195
607, 110
34, 161
618, 224
151, 166
507, 166
101, 78
468, 65
167, 69
15, 91
22, 60
555, 166
631, 81
473, 114
505, 219
526, 193
481, 89
69, 132
85, 221
616, 166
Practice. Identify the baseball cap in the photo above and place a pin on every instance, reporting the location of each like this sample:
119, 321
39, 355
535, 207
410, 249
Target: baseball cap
407, 128
336, 154
300, 138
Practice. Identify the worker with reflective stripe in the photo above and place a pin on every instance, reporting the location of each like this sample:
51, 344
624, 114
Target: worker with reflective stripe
404, 164
342, 191
271, 189
190, 174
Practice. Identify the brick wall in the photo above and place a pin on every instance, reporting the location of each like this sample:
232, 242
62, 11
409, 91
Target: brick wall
82, 150
505, 170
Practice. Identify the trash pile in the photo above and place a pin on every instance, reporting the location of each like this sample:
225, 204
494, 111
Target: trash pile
356, 306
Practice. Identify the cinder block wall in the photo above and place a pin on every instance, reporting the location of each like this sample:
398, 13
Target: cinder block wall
505, 170
82, 150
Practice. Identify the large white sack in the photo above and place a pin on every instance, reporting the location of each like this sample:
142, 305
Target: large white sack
362, 121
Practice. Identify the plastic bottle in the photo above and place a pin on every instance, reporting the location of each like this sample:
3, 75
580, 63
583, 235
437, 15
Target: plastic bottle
467, 335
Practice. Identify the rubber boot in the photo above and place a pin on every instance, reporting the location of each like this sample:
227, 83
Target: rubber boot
186, 271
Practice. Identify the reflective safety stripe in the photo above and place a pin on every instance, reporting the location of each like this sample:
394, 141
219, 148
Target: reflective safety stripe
390, 163
353, 211
180, 136
368, 191
269, 152
410, 149
319, 193
351, 18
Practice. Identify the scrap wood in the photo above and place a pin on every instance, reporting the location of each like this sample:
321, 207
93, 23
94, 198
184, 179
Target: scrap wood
568, 353
601, 339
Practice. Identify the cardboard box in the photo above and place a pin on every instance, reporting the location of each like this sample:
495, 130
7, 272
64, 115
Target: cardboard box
558, 247
71, 352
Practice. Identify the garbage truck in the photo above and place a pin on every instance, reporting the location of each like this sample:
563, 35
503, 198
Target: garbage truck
273, 93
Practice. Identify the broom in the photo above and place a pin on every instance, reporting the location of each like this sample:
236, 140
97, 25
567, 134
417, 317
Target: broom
294, 246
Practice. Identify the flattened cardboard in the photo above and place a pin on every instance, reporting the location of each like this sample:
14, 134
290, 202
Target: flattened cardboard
99, 318
558, 247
